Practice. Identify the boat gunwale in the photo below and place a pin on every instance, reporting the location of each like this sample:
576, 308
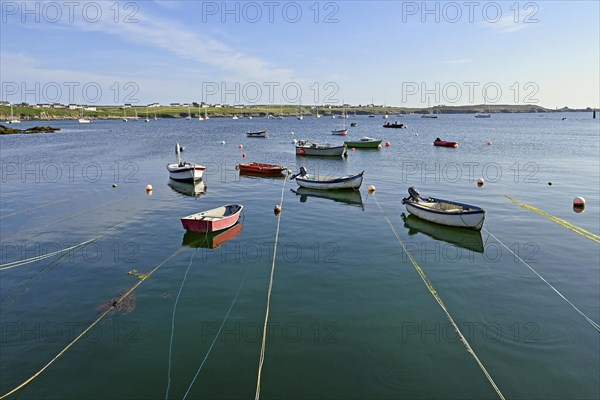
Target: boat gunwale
476, 210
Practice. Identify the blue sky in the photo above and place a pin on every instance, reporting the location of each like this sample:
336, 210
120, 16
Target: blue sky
410, 53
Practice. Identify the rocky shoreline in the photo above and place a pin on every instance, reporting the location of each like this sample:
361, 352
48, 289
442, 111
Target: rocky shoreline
36, 129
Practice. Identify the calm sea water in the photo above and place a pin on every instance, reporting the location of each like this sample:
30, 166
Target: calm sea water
350, 317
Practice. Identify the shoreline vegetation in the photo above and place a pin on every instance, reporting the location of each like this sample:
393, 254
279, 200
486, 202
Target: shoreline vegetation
28, 113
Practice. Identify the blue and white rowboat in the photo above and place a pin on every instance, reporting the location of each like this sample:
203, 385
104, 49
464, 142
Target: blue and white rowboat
327, 182
444, 212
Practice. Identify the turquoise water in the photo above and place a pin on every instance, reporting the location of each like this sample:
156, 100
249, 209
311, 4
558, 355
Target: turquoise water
350, 317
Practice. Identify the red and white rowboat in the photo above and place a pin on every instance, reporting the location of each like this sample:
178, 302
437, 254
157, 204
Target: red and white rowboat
213, 220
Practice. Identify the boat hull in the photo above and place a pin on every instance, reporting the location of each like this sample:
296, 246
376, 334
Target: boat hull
471, 219
371, 144
340, 132
185, 173
259, 134
445, 144
261, 169
323, 151
213, 220
326, 183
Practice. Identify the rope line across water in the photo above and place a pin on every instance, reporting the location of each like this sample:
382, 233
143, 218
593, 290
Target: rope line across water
264, 335
565, 224
588, 319
113, 306
439, 301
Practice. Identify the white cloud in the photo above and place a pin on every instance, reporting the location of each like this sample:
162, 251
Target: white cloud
507, 24
171, 37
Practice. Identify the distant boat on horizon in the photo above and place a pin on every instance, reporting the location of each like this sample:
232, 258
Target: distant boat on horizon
12, 119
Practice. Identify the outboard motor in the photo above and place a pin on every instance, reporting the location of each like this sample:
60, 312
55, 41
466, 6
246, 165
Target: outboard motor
303, 172
414, 193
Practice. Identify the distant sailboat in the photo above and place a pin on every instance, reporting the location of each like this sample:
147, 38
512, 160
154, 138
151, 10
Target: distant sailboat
318, 115
200, 117
125, 114
484, 114
372, 115
189, 113
12, 119
147, 119
155, 117
82, 119
300, 117
429, 114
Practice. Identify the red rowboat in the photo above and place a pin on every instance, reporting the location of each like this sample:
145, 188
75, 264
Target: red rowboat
443, 143
213, 220
263, 169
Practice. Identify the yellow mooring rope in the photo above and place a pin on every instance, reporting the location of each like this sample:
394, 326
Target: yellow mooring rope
565, 224
440, 302
264, 335
112, 307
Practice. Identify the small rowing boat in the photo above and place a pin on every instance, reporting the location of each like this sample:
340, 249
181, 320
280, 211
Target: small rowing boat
340, 132
327, 182
442, 143
258, 134
444, 212
395, 124
184, 171
261, 169
305, 148
365, 143
213, 220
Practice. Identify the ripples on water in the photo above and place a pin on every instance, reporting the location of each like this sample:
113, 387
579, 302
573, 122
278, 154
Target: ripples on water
350, 316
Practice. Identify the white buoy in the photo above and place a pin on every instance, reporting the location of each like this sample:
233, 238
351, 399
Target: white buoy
480, 182
277, 209
222, 142
371, 188
292, 132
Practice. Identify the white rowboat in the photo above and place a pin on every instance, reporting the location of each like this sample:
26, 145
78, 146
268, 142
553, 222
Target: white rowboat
444, 212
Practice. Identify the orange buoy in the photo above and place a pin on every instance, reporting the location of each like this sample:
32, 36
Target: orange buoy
480, 182
353, 149
489, 142
371, 189
301, 151
387, 144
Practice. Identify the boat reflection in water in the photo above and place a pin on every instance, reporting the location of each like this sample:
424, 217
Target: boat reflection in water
211, 240
194, 189
461, 237
350, 197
